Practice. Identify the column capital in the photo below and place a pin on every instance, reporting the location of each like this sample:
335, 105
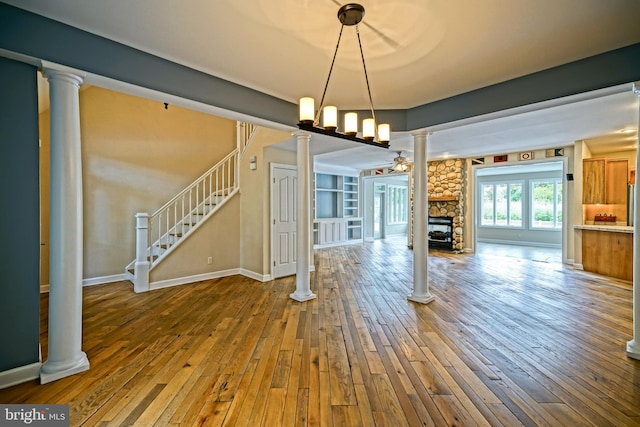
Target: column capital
52, 70
301, 134
420, 132
62, 76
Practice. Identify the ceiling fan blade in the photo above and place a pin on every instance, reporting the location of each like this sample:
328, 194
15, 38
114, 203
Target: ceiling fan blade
388, 40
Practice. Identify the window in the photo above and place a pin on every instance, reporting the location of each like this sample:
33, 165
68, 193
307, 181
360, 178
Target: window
546, 203
501, 204
397, 205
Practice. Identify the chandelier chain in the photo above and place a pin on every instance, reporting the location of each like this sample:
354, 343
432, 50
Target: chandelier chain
326, 85
366, 78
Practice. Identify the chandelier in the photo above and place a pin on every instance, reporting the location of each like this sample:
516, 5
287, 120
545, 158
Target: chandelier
350, 14
400, 163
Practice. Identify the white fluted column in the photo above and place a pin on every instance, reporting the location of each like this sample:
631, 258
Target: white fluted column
65, 356
633, 346
420, 291
303, 221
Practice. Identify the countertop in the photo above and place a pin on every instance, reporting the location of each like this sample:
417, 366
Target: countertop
600, 227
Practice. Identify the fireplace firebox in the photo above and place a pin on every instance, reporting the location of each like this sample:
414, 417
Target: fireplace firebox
440, 229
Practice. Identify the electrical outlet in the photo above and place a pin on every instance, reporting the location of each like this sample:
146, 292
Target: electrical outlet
210, 260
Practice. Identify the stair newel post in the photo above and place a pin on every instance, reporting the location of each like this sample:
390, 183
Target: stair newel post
142, 264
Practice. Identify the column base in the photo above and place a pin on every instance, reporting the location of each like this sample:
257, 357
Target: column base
422, 299
53, 371
302, 297
633, 349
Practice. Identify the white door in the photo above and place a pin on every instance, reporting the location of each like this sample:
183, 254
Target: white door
283, 220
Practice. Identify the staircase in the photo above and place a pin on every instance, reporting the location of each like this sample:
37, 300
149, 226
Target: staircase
159, 234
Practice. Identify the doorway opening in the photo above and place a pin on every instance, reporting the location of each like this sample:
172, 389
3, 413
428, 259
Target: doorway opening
522, 206
386, 206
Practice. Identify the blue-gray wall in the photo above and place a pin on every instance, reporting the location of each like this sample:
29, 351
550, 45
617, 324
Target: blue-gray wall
19, 216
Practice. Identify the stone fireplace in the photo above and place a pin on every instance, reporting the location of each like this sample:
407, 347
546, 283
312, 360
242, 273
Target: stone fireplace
446, 183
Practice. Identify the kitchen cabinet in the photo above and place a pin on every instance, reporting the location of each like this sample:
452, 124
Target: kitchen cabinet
608, 252
604, 181
616, 176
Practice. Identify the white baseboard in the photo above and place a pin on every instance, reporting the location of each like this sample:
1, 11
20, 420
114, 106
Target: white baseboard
180, 280
91, 281
104, 279
518, 243
215, 275
255, 276
578, 266
20, 375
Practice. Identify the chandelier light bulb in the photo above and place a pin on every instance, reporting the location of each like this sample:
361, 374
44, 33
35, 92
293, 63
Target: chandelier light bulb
384, 132
351, 123
368, 129
307, 110
330, 117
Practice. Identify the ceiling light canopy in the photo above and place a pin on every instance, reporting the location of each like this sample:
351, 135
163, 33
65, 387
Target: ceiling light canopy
372, 133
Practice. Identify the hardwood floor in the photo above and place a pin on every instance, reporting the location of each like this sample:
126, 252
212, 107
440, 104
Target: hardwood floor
507, 342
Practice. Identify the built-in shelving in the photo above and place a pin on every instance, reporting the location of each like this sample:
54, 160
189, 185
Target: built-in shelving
336, 210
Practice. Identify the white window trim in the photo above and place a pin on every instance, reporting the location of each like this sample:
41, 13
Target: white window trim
509, 183
391, 189
557, 182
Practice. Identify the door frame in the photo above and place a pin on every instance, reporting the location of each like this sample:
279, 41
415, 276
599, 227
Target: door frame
568, 214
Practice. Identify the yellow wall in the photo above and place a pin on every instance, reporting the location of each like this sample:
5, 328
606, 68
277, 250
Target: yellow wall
255, 200
136, 155
45, 164
218, 238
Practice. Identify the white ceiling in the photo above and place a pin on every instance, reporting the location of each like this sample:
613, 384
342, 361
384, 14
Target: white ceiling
417, 51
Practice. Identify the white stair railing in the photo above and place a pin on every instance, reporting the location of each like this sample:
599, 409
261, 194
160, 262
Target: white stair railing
159, 234
244, 134
184, 213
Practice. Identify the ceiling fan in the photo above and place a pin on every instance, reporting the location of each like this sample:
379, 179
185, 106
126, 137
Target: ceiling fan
400, 163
